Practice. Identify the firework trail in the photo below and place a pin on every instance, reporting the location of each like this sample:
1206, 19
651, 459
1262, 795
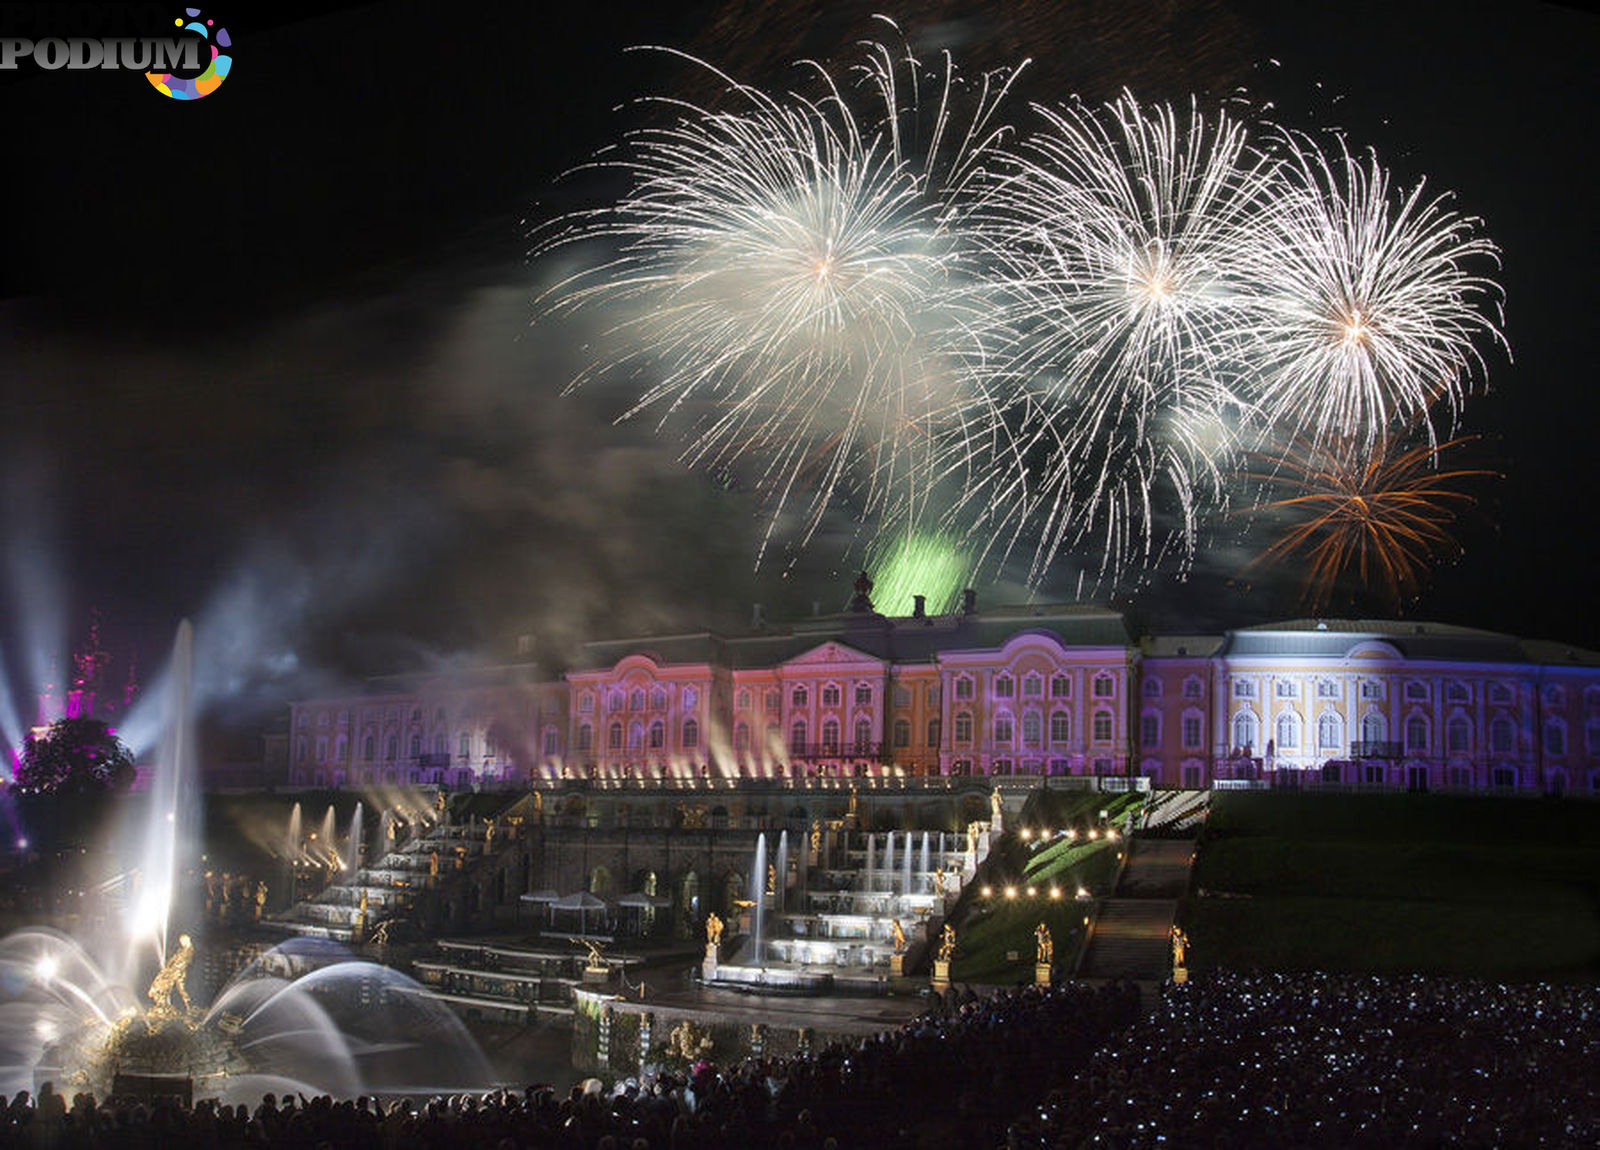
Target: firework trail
1116, 237
786, 271
1368, 309
1378, 514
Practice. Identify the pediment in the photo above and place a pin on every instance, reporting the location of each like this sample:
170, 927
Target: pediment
831, 653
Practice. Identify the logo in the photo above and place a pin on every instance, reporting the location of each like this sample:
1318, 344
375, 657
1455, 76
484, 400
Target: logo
206, 82
176, 66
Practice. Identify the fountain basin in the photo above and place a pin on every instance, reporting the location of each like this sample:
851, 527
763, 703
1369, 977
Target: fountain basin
772, 980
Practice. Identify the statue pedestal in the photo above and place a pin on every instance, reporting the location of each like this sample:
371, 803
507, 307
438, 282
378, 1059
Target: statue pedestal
1041, 974
596, 975
708, 966
1180, 974
941, 974
897, 965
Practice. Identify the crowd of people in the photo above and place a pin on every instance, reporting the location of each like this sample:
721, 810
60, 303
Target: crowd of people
951, 1078
1324, 1060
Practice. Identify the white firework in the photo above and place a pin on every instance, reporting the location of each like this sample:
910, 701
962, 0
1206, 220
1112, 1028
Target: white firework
1117, 238
1371, 304
786, 271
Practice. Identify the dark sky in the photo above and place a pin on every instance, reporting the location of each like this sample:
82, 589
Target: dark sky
266, 361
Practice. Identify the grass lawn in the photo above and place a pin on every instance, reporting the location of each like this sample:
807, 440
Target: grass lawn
1494, 888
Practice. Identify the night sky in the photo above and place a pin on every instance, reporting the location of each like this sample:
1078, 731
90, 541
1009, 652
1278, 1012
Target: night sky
267, 361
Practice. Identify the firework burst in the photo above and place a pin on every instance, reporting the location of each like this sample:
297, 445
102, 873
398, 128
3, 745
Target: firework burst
786, 270
1117, 235
1369, 312
1380, 516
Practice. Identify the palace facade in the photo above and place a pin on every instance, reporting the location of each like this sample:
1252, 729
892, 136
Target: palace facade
1038, 690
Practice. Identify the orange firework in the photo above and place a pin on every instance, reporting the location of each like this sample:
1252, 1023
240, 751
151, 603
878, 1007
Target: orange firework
1381, 516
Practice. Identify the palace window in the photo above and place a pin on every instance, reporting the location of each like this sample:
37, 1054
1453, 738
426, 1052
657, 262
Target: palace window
416, 745
1032, 686
1458, 692
1193, 687
1060, 687
1191, 731
1005, 687
1288, 731
863, 737
658, 700
1102, 726
1002, 728
1152, 688
1327, 688
964, 687
1554, 696
614, 737
863, 694
1555, 737
902, 696
963, 728
830, 737
933, 734
636, 736
585, 738
1149, 730
1416, 734
741, 737
1244, 689
742, 701
1060, 727
1104, 686
771, 700
636, 699
830, 695
1417, 691
464, 745
1502, 736
369, 748
1372, 689
586, 703
1032, 729
1374, 728
1246, 730
1500, 693
691, 734
1458, 736
902, 733
658, 735
799, 697
550, 743
1287, 689
1330, 732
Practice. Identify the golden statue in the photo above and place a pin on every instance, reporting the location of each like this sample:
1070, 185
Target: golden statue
1180, 945
713, 929
897, 935
363, 908
994, 804
596, 960
211, 892
816, 836
772, 879
947, 943
938, 880
261, 899
972, 838
1044, 945
433, 863
689, 1042
488, 837
438, 801
168, 979
852, 811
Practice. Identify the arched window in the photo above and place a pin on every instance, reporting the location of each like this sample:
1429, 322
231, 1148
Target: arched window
1102, 726
1032, 686
743, 701
1150, 729
863, 737
1152, 688
1061, 727
658, 700
1288, 731
635, 736
1005, 687
464, 745
1555, 737
1502, 736
551, 742
963, 728
830, 736
416, 745
1060, 687
741, 737
1416, 734
797, 737
440, 744
934, 726
863, 694
1458, 735
1104, 686
1032, 729
964, 687
770, 700
1002, 728
799, 697
369, 748
830, 695
1330, 731
902, 732
614, 737
691, 734
1246, 730
658, 735
636, 699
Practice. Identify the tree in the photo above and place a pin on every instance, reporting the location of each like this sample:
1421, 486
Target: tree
75, 757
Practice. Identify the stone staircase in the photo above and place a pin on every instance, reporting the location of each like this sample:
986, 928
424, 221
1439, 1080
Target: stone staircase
1131, 936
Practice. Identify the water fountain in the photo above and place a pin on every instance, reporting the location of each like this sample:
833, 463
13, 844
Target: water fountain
352, 858
304, 1016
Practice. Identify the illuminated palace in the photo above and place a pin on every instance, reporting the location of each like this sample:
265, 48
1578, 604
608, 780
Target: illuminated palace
1037, 690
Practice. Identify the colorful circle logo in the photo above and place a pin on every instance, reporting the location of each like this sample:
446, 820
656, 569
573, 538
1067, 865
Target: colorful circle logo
206, 82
